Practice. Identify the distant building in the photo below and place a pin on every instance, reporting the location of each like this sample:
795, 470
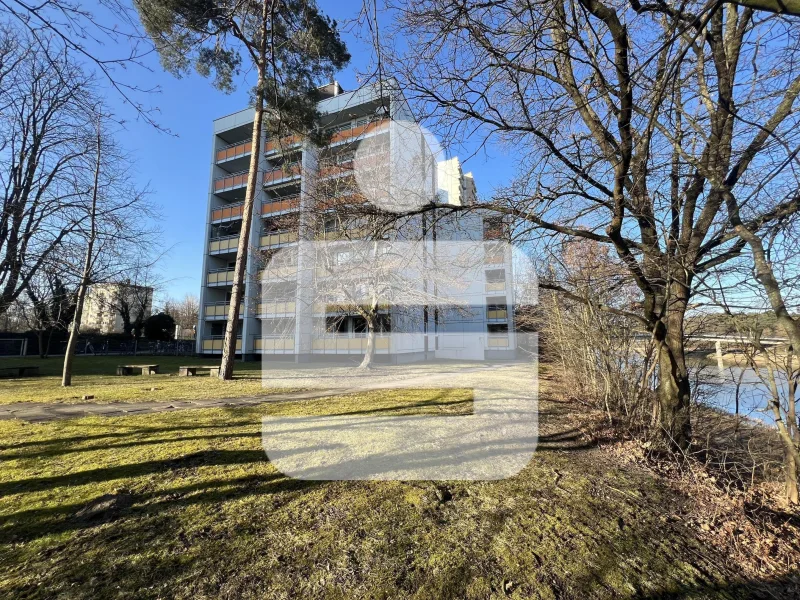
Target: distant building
454, 186
101, 310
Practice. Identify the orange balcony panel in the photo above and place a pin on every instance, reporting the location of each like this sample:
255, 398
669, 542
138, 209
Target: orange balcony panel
234, 151
231, 181
280, 205
227, 212
278, 174
355, 132
284, 143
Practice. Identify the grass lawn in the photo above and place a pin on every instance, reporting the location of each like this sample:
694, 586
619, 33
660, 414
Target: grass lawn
96, 376
186, 505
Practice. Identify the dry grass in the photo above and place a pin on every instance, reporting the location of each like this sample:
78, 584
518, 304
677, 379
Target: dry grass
186, 505
96, 376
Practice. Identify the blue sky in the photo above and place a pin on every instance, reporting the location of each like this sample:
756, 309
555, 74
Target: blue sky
176, 166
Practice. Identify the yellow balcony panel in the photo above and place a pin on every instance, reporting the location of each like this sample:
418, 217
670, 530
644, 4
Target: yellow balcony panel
265, 308
498, 342
277, 273
495, 286
274, 344
226, 244
219, 278
275, 239
497, 314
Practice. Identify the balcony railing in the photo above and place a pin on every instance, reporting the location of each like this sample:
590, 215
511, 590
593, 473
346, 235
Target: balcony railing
494, 257
220, 277
344, 168
286, 143
234, 180
279, 237
498, 341
219, 310
359, 131
278, 273
496, 314
276, 308
214, 343
231, 211
347, 345
273, 344
227, 243
495, 286
276, 206
286, 172
236, 150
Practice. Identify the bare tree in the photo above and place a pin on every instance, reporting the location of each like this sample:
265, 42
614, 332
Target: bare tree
42, 122
114, 234
185, 312
48, 307
634, 127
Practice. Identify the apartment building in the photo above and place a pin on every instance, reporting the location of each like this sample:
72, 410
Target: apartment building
101, 308
302, 193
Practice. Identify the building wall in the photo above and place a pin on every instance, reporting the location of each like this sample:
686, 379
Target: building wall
99, 313
284, 193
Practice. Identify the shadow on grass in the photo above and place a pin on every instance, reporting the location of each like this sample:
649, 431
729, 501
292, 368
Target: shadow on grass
545, 515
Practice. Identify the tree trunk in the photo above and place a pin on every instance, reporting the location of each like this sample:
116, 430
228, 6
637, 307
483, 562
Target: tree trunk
237, 293
66, 376
369, 353
674, 390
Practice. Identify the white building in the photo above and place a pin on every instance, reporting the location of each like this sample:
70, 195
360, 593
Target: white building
101, 309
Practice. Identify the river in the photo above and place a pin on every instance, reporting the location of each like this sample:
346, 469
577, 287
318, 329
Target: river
719, 389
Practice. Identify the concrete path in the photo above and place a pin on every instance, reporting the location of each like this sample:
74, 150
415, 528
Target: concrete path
326, 384
43, 412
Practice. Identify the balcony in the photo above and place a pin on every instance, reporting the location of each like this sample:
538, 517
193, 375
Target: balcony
349, 345
498, 341
227, 213
278, 273
495, 286
494, 256
336, 170
223, 245
218, 311
278, 238
282, 174
214, 343
496, 314
290, 142
234, 151
273, 309
219, 277
231, 182
273, 344
361, 131
278, 206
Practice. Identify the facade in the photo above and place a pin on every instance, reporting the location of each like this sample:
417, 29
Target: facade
302, 196
455, 186
100, 313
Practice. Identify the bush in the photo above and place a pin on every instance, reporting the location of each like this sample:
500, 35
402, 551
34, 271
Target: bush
159, 327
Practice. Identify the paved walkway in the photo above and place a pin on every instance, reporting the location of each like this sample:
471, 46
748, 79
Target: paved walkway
328, 384
43, 412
